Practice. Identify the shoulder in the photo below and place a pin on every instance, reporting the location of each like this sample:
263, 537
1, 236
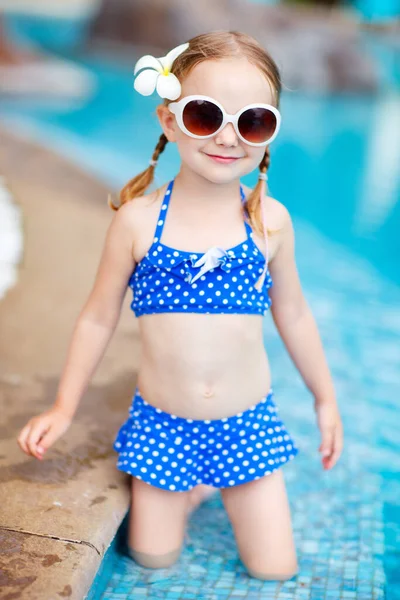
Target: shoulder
278, 216
134, 207
137, 218
136, 212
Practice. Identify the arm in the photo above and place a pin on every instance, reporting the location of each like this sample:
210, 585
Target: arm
298, 330
100, 314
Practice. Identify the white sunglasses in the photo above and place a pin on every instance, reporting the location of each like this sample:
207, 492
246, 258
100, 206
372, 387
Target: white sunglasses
202, 117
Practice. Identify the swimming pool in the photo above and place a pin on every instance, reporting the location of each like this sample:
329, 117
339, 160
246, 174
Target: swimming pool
335, 166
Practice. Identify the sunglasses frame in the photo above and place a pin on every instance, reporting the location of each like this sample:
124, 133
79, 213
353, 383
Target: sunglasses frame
177, 109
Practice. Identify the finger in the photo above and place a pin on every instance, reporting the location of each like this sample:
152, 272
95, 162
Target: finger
326, 446
338, 447
37, 431
330, 461
22, 438
48, 439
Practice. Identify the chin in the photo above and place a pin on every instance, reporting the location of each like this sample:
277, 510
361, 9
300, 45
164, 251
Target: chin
220, 178
219, 175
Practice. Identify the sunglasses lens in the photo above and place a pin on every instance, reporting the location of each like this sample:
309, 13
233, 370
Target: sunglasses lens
201, 117
257, 125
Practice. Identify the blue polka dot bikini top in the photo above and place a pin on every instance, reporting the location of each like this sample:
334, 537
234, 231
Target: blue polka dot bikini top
217, 281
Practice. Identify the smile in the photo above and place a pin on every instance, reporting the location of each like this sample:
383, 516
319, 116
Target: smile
223, 159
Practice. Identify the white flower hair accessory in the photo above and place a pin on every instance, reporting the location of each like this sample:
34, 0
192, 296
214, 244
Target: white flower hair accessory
157, 74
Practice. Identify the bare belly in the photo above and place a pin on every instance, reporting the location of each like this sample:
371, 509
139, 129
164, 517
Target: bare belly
200, 366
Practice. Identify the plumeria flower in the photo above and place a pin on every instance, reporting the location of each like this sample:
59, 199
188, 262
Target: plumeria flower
157, 74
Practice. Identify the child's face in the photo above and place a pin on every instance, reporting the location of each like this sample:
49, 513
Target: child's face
234, 83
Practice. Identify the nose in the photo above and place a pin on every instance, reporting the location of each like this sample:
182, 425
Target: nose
227, 136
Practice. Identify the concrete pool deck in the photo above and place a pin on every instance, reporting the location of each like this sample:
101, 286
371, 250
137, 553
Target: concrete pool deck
58, 516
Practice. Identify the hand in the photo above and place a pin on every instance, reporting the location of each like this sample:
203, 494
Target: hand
331, 429
42, 431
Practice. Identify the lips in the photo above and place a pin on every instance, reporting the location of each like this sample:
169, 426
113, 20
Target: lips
223, 159
219, 156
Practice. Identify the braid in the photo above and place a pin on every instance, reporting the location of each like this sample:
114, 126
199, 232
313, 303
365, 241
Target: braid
139, 184
162, 142
266, 159
253, 204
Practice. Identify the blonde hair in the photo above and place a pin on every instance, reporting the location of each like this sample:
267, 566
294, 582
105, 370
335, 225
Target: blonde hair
213, 46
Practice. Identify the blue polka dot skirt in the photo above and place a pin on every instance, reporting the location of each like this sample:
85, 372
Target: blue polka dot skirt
175, 453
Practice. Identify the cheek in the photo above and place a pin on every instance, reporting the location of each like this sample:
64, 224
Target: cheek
255, 154
188, 146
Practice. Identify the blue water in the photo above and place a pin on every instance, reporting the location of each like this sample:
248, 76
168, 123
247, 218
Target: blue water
335, 166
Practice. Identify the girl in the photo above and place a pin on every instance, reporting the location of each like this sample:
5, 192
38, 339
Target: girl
206, 258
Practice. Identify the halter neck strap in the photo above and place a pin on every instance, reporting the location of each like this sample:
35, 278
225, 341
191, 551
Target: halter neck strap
164, 209
163, 212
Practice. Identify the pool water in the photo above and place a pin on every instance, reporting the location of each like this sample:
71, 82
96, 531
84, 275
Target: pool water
335, 166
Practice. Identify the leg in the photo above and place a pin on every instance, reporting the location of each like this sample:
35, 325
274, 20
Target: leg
199, 494
260, 516
157, 525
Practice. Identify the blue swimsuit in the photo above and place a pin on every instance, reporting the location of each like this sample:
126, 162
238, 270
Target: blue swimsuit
217, 281
175, 453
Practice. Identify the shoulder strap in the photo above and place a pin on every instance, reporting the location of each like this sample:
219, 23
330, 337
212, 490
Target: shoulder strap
249, 230
242, 194
163, 212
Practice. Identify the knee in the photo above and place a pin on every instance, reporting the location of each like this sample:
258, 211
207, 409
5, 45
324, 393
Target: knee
277, 574
154, 561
